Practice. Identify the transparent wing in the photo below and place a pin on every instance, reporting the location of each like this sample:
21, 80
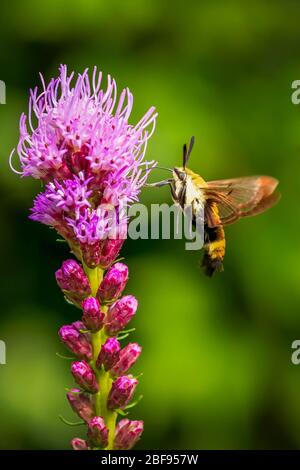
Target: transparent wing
241, 197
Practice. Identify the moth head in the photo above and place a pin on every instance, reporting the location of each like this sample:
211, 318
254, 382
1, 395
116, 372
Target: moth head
179, 174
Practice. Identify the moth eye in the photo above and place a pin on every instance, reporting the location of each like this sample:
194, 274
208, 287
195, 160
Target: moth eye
181, 174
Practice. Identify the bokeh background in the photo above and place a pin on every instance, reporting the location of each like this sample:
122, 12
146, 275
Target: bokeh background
216, 364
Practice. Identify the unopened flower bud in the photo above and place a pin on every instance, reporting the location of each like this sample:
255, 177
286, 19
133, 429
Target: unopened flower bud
79, 444
92, 316
127, 434
119, 314
91, 254
79, 326
109, 353
114, 282
81, 404
127, 358
72, 279
97, 432
84, 376
121, 392
109, 250
75, 341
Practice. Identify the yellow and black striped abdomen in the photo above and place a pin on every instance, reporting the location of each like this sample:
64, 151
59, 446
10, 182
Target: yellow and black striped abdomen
214, 246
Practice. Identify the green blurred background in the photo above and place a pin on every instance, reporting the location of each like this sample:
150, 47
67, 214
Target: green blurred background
216, 364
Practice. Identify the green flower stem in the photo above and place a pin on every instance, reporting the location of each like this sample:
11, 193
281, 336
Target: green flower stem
95, 276
104, 379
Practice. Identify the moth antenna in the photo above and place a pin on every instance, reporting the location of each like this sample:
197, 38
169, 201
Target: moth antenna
184, 156
191, 145
187, 151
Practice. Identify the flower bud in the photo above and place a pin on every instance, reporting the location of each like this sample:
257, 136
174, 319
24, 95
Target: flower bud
72, 279
79, 326
119, 314
127, 434
91, 254
121, 392
84, 376
113, 283
109, 354
75, 341
92, 316
127, 357
109, 250
79, 444
97, 432
81, 404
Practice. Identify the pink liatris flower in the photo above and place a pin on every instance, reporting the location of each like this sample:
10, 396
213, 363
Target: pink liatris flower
122, 391
92, 316
81, 403
73, 281
78, 140
114, 282
84, 376
120, 314
127, 358
76, 342
127, 434
79, 444
97, 432
109, 354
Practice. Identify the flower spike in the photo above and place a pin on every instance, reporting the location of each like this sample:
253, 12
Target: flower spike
76, 138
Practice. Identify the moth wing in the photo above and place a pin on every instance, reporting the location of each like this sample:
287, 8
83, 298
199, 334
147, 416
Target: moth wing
241, 197
227, 213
